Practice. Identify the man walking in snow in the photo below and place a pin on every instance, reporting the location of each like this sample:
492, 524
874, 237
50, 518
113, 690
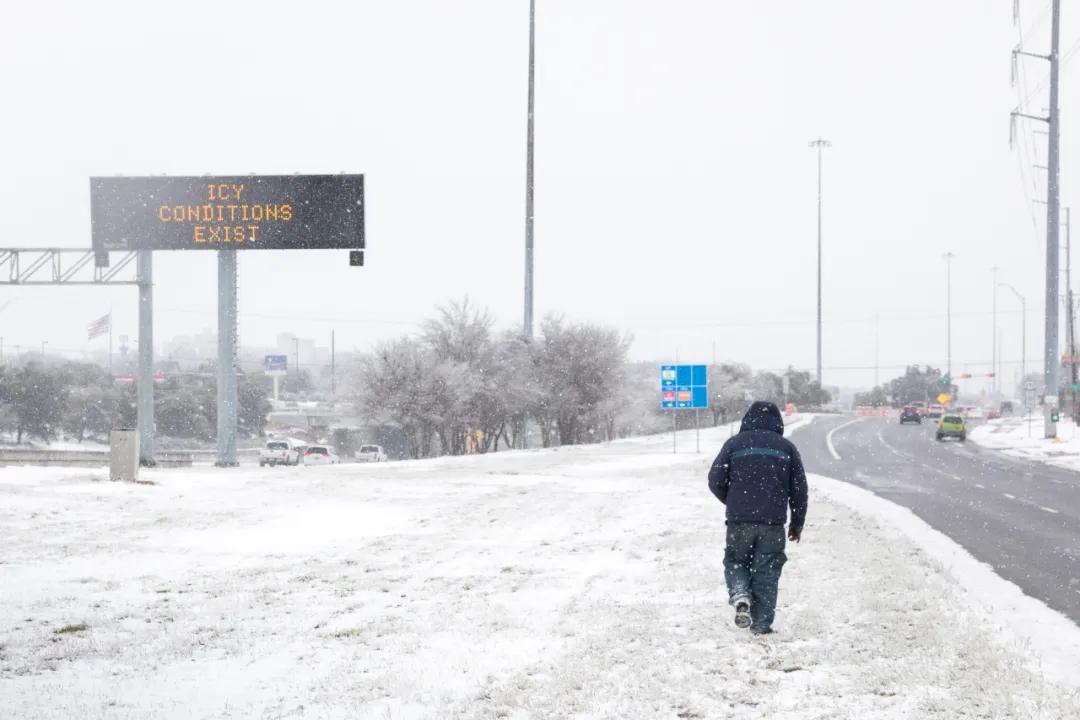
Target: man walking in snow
758, 475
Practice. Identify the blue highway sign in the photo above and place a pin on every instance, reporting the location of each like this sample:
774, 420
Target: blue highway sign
684, 386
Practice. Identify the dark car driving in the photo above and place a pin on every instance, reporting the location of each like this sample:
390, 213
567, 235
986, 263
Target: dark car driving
910, 414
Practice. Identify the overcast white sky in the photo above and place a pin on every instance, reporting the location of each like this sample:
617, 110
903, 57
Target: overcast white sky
675, 191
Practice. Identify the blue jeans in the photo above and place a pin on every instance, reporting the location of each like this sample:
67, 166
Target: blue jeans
753, 560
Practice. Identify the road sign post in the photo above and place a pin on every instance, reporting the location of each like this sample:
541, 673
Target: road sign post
275, 366
684, 387
697, 431
1029, 402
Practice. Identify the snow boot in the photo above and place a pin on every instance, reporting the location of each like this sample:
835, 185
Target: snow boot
742, 612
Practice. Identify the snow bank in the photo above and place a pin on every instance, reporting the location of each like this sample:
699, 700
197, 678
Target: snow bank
581, 582
1018, 437
1052, 640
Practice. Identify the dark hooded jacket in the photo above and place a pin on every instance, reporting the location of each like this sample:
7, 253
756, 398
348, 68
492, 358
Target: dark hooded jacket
758, 473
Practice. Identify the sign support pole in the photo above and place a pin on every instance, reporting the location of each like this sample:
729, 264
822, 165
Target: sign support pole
226, 370
144, 403
697, 429
674, 432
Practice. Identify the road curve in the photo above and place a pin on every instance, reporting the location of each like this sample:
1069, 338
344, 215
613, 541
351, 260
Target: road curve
1021, 518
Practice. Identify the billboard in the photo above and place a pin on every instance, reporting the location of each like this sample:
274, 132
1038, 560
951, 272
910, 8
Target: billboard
275, 364
249, 212
684, 386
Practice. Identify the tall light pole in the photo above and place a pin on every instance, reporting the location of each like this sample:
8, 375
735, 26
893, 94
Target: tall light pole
993, 350
1023, 331
529, 177
820, 144
948, 313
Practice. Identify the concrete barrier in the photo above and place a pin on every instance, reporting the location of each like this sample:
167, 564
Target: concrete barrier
870, 411
83, 458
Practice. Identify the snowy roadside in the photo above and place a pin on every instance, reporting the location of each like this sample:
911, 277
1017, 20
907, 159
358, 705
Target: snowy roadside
579, 582
1017, 437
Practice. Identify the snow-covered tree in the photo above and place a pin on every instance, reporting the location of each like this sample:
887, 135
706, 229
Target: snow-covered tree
37, 396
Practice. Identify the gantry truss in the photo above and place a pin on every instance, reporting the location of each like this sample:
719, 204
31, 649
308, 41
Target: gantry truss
63, 266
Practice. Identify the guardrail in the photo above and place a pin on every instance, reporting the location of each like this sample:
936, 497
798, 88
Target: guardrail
43, 457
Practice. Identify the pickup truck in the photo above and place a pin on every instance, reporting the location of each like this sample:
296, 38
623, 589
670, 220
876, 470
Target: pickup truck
279, 452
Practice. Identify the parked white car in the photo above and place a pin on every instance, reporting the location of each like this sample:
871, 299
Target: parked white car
976, 412
370, 453
279, 452
321, 455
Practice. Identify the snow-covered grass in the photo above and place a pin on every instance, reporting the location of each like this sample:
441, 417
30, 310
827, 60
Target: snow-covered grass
1022, 437
580, 582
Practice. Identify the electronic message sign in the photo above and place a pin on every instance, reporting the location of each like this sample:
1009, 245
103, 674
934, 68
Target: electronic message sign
241, 212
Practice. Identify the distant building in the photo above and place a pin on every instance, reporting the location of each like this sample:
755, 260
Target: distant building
312, 356
190, 352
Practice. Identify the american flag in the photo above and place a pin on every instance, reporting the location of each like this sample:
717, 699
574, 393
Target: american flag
99, 327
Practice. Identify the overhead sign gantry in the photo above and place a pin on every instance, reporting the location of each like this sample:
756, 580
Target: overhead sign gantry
224, 213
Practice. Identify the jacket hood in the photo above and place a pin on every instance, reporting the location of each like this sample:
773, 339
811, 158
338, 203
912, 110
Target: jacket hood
763, 416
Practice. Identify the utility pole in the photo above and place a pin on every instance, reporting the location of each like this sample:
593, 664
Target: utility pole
820, 144
529, 177
1070, 328
1053, 218
993, 351
948, 312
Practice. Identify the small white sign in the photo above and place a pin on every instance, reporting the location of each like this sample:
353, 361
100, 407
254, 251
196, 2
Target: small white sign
1051, 400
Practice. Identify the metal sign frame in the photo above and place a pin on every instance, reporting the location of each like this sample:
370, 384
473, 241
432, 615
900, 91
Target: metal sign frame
684, 387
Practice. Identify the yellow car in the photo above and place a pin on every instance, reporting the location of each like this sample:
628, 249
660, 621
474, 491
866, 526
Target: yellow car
952, 425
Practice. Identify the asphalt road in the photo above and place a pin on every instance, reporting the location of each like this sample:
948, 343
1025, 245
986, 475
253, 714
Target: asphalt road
1021, 518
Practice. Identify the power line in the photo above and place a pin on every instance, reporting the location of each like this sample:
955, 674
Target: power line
1026, 153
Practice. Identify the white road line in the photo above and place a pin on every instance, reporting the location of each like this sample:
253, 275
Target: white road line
881, 437
981, 487
1011, 497
1049, 510
828, 438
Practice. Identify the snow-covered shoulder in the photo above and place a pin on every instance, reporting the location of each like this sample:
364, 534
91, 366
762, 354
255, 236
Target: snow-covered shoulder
1022, 437
1050, 640
579, 582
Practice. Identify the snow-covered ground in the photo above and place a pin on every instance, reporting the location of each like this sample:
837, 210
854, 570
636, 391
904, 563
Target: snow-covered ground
1022, 437
580, 582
